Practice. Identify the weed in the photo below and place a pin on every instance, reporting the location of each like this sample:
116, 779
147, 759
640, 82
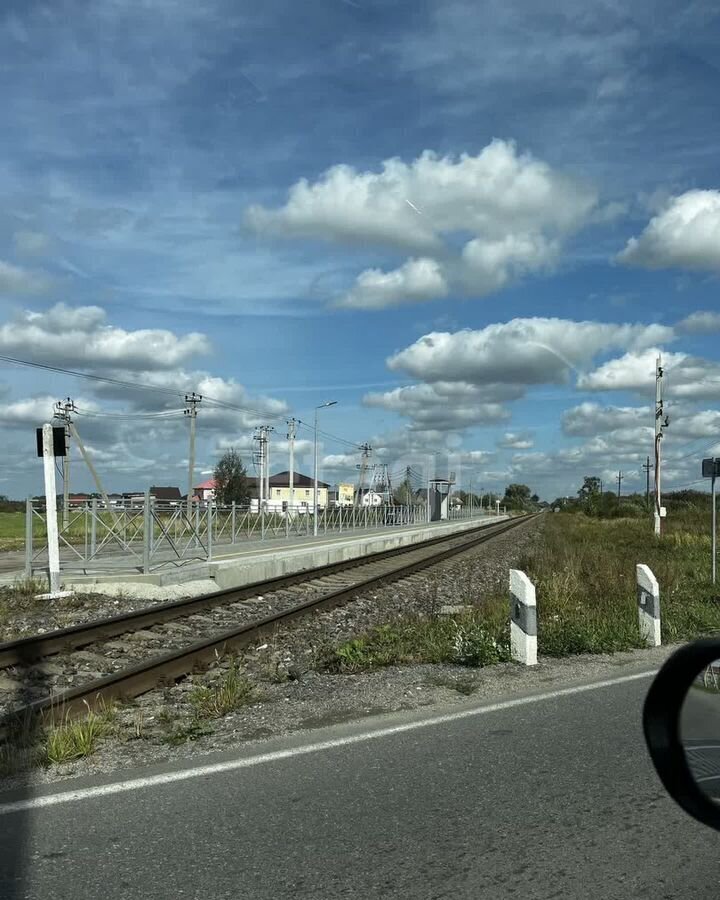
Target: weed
187, 731
225, 695
468, 640
73, 739
474, 645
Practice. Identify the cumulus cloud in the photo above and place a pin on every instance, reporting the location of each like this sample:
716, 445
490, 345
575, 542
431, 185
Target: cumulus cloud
445, 405
702, 322
516, 441
81, 338
591, 418
29, 411
415, 281
16, 281
492, 264
686, 377
521, 351
685, 233
515, 209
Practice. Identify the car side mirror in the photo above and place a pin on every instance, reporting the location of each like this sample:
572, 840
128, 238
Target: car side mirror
681, 721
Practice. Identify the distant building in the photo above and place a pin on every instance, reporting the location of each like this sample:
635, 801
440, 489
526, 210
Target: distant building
302, 490
167, 494
205, 491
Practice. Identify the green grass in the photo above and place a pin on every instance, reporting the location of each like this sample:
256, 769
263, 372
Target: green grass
474, 639
584, 572
229, 693
73, 740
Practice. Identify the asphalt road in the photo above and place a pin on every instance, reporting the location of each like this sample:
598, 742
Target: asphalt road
547, 799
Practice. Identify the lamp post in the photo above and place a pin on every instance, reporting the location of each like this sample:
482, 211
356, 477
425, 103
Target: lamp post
315, 477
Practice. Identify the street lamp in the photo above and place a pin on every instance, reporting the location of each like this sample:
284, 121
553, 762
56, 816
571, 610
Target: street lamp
315, 492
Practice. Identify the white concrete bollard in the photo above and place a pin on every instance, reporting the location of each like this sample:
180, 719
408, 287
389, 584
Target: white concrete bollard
523, 619
648, 597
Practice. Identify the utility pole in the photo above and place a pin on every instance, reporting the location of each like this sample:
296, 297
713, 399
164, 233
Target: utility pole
268, 429
259, 463
366, 450
191, 404
620, 477
63, 409
647, 466
661, 422
315, 467
291, 444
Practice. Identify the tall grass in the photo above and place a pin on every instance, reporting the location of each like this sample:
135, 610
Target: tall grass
584, 572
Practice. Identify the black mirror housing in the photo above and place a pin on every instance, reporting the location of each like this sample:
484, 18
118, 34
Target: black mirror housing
661, 725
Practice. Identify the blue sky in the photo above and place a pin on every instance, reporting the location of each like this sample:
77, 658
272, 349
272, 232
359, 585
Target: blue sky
275, 206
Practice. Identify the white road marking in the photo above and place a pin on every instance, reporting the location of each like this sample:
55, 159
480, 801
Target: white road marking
136, 784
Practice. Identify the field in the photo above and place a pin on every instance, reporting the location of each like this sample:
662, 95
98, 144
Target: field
584, 572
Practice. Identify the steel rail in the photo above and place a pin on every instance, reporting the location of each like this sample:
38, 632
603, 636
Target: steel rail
174, 665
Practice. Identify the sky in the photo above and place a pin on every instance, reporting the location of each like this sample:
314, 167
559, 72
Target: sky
473, 225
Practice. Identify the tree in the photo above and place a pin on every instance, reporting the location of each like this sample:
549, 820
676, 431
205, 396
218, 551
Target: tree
517, 496
404, 494
590, 487
231, 483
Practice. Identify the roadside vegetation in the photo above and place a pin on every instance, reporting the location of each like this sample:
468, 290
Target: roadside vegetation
583, 568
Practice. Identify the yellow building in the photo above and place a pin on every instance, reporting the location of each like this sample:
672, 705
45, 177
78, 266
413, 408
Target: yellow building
303, 493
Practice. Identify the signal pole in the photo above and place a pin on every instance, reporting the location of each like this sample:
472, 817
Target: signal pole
291, 475
620, 477
660, 423
191, 401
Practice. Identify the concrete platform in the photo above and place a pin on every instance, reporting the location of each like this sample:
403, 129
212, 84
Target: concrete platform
278, 557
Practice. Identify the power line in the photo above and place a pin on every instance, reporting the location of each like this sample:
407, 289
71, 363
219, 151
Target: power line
140, 386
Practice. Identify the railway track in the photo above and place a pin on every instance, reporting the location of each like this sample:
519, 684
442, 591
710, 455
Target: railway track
195, 631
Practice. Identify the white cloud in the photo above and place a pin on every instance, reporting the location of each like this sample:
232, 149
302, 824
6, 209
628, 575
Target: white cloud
702, 322
591, 418
514, 441
79, 337
17, 281
521, 351
28, 411
514, 208
415, 281
685, 233
491, 264
686, 377
445, 405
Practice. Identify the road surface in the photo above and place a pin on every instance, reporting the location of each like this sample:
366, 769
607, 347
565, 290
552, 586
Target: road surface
549, 797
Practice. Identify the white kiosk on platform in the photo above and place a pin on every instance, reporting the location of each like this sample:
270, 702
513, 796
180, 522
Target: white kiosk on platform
439, 498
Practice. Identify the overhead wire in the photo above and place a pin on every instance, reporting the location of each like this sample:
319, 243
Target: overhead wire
137, 385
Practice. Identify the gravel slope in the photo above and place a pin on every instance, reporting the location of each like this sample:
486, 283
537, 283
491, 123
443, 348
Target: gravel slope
288, 695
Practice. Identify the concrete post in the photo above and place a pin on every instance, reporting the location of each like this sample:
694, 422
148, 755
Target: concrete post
147, 528
523, 619
262, 523
93, 527
210, 528
51, 522
28, 537
152, 524
648, 598
232, 523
